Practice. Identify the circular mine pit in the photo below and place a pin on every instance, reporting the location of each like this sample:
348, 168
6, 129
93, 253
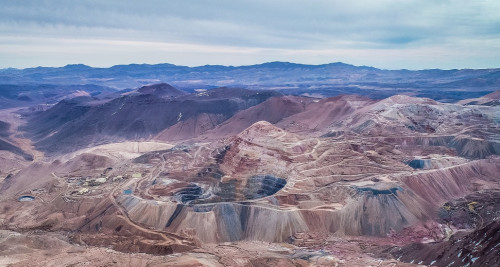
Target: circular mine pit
419, 163
189, 193
375, 192
255, 187
26, 198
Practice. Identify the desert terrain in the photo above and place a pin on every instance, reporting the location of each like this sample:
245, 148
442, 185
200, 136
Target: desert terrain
158, 176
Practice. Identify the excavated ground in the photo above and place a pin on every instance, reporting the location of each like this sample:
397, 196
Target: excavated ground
353, 197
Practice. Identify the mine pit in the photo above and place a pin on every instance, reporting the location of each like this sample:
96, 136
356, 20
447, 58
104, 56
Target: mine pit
188, 193
232, 190
256, 187
375, 192
26, 198
419, 163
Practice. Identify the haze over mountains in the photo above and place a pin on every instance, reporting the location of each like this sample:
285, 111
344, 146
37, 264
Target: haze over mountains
273, 164
289, 78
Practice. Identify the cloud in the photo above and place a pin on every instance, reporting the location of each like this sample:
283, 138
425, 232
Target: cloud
264, 26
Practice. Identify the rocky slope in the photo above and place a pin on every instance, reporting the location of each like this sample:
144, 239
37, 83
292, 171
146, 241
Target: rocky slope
76, 123
344, 180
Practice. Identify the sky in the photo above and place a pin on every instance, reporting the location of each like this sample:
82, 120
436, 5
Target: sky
388, 34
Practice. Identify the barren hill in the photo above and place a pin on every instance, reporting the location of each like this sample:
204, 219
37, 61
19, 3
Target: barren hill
73, 124
240, 173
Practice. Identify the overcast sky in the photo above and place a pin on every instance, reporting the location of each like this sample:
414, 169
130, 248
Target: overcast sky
390, 34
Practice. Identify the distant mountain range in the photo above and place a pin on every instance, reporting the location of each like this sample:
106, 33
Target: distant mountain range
289, 78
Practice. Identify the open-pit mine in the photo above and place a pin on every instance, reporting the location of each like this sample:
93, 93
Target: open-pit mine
157, 176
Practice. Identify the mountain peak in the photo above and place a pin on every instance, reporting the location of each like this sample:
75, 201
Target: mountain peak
161, 89
77, 67
406, 99
261, 128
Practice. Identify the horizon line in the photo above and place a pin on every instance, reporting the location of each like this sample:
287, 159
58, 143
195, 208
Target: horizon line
239, 66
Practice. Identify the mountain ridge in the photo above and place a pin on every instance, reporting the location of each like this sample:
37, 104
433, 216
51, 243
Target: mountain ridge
263, 64
322, 80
